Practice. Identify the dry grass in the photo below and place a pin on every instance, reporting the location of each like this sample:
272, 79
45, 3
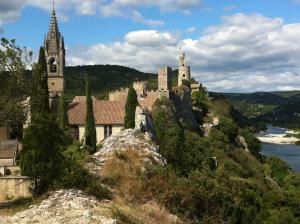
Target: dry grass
133, 194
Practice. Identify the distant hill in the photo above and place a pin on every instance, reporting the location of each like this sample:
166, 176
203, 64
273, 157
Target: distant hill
278, 108
106, 78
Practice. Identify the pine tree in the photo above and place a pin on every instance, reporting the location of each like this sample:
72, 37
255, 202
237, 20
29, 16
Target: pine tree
62, 113
90, 130
131, 104
40, 93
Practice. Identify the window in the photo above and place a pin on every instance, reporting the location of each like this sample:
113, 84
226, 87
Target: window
53, 65
107, 131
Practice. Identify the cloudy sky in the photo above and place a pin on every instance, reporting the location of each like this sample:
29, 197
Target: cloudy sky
232, 45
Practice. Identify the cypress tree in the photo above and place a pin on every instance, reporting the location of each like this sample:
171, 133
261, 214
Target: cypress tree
40, 93
131, 104
44, 80
90, 130
62, 113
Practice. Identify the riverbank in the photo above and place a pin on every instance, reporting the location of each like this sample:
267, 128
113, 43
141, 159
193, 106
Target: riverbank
278, 139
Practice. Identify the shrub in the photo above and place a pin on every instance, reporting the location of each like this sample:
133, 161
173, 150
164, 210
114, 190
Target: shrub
168, 131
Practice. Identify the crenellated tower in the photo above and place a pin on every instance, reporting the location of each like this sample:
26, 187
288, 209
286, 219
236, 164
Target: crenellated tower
184, 71
55, 57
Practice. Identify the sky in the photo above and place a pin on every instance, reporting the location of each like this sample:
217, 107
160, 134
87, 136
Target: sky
231, 45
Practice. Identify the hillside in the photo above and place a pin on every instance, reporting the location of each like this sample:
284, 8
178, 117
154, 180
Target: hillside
106, 78
279, 108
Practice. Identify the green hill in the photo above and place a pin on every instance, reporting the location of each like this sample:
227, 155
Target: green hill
279, 108
106, 78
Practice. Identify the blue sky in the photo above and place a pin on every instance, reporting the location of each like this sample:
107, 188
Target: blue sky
232, 46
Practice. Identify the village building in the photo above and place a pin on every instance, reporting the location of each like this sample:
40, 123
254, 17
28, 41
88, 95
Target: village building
109, 114
109, 117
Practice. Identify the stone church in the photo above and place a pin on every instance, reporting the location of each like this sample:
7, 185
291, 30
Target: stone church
109, 114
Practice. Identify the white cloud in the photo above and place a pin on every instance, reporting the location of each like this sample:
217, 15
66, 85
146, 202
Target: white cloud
10, 9
243, 53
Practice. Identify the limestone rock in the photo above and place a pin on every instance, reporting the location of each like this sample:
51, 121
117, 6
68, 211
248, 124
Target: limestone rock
129, 139
63, 206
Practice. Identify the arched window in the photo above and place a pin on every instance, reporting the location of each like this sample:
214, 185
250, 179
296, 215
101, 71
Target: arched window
53, 65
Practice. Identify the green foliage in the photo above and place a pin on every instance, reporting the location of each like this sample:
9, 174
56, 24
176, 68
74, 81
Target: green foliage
201, 100
39, 98
254, 145
228, 128
130, 107
75, 175
186, 83
277, 168
14, 84
90, 127
168, 131
196, 152
62, 113
41, 156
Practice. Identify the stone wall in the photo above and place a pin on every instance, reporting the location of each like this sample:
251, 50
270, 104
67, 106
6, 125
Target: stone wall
3, 133
12, 188
140, 88
120, 95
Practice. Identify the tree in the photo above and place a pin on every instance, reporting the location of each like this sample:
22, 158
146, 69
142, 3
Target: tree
90, 129
62, 113
14, 85
41, 156
40, 93
169, 132
131, 104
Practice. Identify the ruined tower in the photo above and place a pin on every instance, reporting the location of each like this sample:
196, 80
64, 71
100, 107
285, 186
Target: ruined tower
184, 71
165, 79
55, 57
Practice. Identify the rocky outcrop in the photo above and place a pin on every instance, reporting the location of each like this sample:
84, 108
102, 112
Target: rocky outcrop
63, 206
129, 139
144, 122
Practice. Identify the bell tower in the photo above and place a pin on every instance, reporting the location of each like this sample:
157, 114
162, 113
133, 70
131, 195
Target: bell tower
184, 71
55, 57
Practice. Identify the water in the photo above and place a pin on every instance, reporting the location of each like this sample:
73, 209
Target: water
289, 152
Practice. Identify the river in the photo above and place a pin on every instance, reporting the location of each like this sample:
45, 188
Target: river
288, 152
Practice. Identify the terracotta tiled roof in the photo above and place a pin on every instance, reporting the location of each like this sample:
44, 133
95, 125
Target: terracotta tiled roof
149, 101
105, 112
7, 154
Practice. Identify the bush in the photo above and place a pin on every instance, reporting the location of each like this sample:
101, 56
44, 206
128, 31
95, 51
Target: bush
196, 152
278, 168
254, 145
75, 175
41, 157
168, 131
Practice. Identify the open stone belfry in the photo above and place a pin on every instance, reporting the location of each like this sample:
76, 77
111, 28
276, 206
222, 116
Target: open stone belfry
55, 57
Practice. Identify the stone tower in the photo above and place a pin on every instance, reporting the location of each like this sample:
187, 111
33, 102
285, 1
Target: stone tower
184, 71
55, 57
164, 79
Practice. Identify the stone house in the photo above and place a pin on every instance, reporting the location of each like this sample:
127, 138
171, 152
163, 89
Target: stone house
109, 117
